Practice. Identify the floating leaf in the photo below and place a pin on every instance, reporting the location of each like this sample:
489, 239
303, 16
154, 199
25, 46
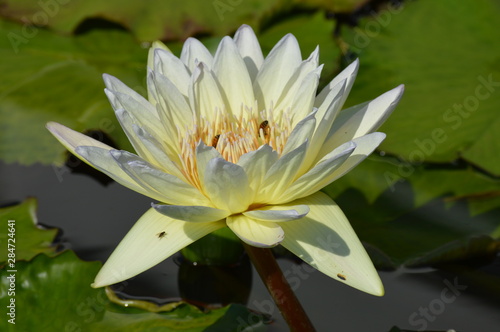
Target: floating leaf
451, 68
27, 238
338, 6
148, 20
55, 78
54, 294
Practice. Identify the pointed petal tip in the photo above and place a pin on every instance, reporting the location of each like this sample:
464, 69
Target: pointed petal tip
398, 90
380, 291
142, 249
379, 135
353, 68
159, 45
393, 96
288, 40
355, 65
96, 285
245, 30
245, 33
401, 89
225, 40
374, 287
108, 79
244, 27
100, 280
52, 126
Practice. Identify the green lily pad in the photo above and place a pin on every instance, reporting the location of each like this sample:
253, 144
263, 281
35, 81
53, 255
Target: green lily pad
55, 78
148, 20
54, 294
23, 235
447, 54
480, 191
338, 6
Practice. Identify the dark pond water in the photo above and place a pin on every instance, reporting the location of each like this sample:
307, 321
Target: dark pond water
94, 218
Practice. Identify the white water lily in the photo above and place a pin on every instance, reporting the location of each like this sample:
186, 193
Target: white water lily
243, 141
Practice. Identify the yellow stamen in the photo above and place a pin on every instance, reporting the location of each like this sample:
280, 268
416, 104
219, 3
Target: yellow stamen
232, 137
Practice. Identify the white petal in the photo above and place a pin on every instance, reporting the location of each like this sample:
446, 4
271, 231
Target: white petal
325, 240
276, 71
193, 52
333, 101
127, 123
204, 94
191, 213
324, 120
257, 163
167, 162
71, 139
153, 238
174, 105
300, 133
348, 74
365, 145
157, 45
255, 232
232, 75
361, 119
303, 99
172, 67
144, 113
281, 174
169, 189
289, 93
204, 154
277, 213
226, 184
250, 50
319, 176
100, 160
121, 96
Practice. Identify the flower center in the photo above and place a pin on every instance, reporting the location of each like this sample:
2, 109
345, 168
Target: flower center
232, 137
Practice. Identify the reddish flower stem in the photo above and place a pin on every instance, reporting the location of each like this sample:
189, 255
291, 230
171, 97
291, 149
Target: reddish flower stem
279, 288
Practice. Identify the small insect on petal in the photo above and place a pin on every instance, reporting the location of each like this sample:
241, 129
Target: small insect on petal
264, 129
161, 234
215, 140
341, 276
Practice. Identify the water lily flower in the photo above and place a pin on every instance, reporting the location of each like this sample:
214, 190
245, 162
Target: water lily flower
238, 140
